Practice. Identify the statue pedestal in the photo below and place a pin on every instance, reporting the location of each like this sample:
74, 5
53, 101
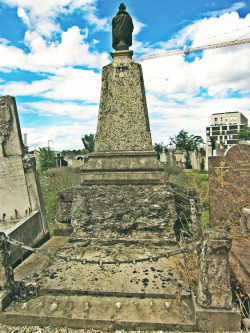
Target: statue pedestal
123, 167
123, 147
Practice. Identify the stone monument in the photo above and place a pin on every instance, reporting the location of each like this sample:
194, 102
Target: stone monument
124, 221
123, 151
229, 185
129, 198
21, 204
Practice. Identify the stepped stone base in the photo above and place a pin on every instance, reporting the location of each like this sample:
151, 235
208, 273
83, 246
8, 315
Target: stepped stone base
147, 295
123, 167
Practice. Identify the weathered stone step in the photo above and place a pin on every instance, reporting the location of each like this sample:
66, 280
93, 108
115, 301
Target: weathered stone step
102, 313
155, 279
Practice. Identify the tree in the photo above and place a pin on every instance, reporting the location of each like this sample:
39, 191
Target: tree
187, 143
47, 158
88, 141
159, 148
244, 134
74, 151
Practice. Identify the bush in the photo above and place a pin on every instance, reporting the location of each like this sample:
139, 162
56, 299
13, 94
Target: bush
47, 158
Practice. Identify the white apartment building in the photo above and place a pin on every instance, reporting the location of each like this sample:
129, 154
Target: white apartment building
223, 132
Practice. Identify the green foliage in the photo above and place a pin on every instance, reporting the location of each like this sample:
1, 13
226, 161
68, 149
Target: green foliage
88, 141
47, 158
171, 170
53, 181
159, 148
187, 143
74, 151
244, 134
197, 180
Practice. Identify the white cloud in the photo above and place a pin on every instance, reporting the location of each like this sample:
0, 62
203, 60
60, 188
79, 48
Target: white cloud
22, 14
219, 71
63, 137
44, 57
67, 84
182, 94
235, 6
46, 7
69, 109
173, 85
170, 119
40, 15
138, 26
99, 23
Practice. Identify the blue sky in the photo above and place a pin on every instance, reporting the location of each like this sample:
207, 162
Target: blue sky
52, 53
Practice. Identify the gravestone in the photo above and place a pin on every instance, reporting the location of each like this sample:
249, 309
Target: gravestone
229, 184
20, 193
14, 197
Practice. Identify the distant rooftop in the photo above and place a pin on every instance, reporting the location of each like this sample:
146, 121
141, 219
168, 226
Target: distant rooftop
225, 112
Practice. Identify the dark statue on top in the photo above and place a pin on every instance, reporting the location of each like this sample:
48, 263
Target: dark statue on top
122, 28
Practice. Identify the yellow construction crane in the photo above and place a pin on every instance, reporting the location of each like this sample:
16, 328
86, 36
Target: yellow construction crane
193, 49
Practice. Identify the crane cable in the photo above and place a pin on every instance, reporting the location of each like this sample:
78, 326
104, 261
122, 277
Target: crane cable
192, 49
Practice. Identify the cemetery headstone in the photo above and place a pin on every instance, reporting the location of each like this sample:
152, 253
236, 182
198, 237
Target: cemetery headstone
20, 192
229, 185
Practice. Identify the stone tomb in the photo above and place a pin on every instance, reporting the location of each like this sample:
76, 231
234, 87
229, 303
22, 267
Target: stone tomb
112, 271
20, 194
229, 184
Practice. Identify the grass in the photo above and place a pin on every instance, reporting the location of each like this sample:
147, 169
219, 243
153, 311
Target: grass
197, 180
53, 181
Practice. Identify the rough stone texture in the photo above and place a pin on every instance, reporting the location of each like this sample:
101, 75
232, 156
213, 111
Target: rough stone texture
126, 295
10, 133
6, 273
34, 189
123, 122
214, 290
129, 212
245, 220
229, 184
123, 151
14, 196
146, 295
29, 231
123, 168
217, 320
20, 191
63, 213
